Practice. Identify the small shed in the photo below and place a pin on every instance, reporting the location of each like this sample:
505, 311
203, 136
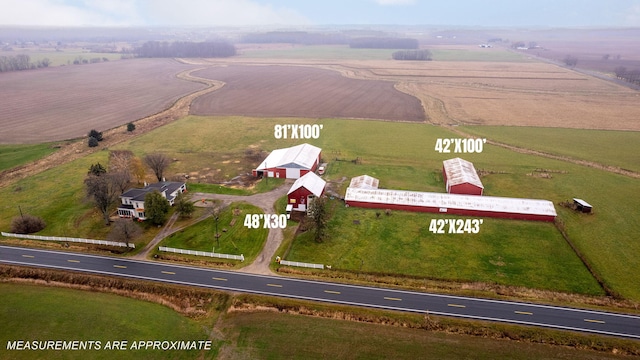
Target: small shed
364, 182
582, 205
304, 190
460, 177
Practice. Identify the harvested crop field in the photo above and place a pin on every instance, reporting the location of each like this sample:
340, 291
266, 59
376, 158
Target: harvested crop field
66, 102
299, 91
516, 94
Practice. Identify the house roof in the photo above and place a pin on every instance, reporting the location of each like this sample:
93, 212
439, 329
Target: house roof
452, 201
311, 182
169, 187
301, 156
364, 182
460, 171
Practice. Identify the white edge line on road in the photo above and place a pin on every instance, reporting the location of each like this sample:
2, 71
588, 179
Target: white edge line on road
227, 288
282, 278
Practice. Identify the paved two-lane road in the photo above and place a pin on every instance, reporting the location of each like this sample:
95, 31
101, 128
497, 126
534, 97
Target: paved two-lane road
598, 322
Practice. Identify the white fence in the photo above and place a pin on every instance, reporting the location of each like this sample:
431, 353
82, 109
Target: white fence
202, 253
68, 239
301, 264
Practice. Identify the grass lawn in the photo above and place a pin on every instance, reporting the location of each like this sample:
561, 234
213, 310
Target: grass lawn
616, 148
521, 253
402, 156
236, 240
42, 313
265, 335
15, 155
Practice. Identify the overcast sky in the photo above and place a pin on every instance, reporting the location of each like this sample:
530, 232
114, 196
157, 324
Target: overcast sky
563, 13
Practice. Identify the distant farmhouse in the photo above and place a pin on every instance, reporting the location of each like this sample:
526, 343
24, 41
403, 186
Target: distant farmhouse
460, 177
304, 190
133, 199
290, 163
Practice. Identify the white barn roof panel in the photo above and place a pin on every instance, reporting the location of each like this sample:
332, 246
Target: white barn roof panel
452, 201
364, 182
460, 171
311, 182
301, 156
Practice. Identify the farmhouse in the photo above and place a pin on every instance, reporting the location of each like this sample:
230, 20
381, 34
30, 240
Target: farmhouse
304, 190
460, 177
133, 199
467, 205
290, 163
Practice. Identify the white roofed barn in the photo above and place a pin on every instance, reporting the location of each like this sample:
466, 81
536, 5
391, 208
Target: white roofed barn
460, 177
290, 163
304, 190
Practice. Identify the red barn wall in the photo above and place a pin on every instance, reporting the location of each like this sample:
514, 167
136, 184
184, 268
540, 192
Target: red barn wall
463, 212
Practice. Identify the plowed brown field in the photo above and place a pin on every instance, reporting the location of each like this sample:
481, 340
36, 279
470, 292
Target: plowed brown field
300, 91
66, 102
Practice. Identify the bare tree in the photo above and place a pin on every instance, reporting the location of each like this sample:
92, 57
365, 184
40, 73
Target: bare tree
120, 168
138, 170
124, 230
103, 191
158, 163
570, 60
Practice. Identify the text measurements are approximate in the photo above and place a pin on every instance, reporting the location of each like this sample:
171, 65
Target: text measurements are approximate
97, 345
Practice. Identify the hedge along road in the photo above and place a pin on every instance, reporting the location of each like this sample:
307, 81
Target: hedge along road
264, 201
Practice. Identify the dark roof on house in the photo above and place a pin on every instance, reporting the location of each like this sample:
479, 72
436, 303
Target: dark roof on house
139, 194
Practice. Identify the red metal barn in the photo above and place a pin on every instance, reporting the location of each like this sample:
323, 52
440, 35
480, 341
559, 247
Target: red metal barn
304, 190
466, 205
290, 163
460, 177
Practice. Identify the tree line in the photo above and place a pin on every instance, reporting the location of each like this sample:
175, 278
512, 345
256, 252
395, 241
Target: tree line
157, 49
632, 76
383, 43
294, 37
21, 62
418, 55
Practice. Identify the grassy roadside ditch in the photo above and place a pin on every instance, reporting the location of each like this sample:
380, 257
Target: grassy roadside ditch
258, 326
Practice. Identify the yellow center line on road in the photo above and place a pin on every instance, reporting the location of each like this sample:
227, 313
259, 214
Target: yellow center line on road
457, 305
392, 298
119, 266
274, 285
219, 279
28, 256
168, 272
332, 292
74, 261
594, 321
523, 312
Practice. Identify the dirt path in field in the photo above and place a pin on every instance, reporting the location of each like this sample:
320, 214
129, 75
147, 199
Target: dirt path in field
264, 201
591, 164
76, 149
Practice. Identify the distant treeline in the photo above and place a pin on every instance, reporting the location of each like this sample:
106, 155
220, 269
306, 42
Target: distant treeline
419, 55
295, 37
383, 43
21, 62
156, 49
632, 76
